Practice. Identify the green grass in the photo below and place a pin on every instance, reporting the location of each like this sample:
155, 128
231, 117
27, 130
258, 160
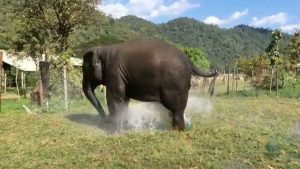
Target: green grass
13, 106
245, 90
238, 134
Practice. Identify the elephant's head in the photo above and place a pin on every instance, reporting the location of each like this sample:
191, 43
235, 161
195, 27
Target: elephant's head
93, 70
93, 65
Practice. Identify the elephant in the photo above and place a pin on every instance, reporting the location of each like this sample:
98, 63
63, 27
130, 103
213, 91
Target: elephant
145, 70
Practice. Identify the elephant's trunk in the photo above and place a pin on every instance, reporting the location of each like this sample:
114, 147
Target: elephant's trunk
88, 89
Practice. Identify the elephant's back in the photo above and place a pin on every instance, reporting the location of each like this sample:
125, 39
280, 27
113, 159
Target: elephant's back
153, 52
154, 62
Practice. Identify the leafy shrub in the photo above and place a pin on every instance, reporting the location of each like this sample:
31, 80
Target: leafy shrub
197, 56
256, 69
291, 79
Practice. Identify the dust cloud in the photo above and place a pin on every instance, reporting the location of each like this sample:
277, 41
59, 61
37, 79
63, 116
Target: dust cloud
149, 115
295, 133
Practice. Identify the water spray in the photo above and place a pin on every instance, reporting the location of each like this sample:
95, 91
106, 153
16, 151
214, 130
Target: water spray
149, 115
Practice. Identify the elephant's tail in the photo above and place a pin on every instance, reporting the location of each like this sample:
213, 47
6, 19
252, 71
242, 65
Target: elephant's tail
197, 72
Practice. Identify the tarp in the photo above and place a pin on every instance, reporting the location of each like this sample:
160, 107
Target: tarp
76, 61
27, 64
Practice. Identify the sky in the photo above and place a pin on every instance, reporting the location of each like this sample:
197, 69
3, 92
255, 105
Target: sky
272, 14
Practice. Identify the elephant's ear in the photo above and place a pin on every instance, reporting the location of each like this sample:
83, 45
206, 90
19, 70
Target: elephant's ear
87, 59
102, 53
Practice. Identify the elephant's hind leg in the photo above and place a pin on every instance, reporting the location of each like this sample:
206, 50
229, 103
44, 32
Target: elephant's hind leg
178, 120
176, 103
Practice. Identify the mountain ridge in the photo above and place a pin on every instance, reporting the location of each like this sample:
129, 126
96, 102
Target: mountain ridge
221, 45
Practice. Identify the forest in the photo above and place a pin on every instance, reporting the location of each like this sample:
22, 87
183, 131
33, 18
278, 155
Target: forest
221, 46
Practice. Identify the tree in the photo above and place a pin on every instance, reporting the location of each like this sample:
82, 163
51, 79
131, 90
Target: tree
58, 18
46, 26
104, 31
293, 51
255, 69
8, 22
197, 56
294, 48
274, 55
273, 49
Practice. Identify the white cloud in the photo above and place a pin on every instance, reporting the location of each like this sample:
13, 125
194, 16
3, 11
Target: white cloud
238, 15
290, 28
213, 20
147, 9
279, 18
176, 8
235, 16
116, 10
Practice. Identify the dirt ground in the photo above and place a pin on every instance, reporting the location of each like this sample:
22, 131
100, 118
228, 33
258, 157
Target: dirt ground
9, 96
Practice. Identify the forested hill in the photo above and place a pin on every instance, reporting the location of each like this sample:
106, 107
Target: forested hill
221, 46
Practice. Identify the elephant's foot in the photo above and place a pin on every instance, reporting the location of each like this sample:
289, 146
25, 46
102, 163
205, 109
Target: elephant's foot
112, 125
178, 123
103, 116
178, 128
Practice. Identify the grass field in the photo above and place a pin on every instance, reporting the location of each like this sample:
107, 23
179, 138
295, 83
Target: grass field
241, 132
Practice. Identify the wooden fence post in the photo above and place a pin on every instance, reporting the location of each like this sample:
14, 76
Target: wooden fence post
24, 76
66, 88
252, 85
276, 80
244, 83
5, 82
236, 79
224, 77
228, 82
232, 83
22, 80
44, 93
271, 81
1, 58
17, 85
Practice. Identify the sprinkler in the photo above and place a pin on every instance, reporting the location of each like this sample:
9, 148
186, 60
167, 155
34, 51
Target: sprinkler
187, 122
272, 147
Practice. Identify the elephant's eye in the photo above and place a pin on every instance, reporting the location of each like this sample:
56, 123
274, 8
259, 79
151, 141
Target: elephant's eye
97, 61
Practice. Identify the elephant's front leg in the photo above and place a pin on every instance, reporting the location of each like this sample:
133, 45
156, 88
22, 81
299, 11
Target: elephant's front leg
118, 105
